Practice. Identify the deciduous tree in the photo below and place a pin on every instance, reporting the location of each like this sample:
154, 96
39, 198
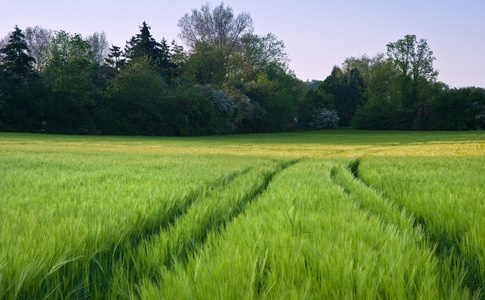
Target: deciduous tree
37, 39
138, 98
99, 46
70, 73
458, 109
413, 62
412, 58
258, 52
218, 27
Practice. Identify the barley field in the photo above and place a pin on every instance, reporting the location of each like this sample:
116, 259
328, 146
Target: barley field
303, 215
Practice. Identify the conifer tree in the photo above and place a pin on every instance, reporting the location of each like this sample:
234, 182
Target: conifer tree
115, 61
16, 64
143, 44
165, 63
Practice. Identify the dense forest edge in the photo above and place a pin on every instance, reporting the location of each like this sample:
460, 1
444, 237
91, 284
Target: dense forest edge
227, 80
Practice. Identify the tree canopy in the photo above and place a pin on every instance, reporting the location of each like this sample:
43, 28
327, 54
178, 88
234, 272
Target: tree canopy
229, 80
17, 64
412, 58
217, 27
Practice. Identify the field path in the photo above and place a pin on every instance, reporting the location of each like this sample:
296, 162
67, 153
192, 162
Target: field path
446, 246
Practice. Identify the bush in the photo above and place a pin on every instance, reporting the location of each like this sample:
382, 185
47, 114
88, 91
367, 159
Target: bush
325, 119
458, 109
224, 106
480, 117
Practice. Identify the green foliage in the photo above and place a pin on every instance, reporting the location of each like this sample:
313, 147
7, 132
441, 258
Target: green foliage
314, 100
194, 113
224, 106
138, 99
377, 112
144, 104
411, 84
398, 87
258, 53
250, 68
24, 104
458, 109
143, 44
379, 115
412, 58
70, 73
115, 61
230, 81
480, 115
17, 93
16, 64
365, 64
325, 119
276, 94
207, 64
247, 114
152, 88
348, 89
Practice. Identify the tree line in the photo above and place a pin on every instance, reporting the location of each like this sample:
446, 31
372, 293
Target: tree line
227, 80
398, 91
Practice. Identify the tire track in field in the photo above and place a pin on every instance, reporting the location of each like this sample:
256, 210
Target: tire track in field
369, 199
94, 272
184, 238
204, 190
172, 243
394, 213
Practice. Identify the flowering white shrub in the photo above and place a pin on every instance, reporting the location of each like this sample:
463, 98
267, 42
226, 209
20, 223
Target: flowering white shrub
480, 117
325, 119
224, 105
221, 100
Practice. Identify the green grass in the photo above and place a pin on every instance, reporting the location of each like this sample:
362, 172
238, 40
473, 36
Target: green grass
332, 214
306, 238
446, 196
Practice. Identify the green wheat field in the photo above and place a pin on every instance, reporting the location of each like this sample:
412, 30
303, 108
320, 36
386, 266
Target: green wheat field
304, 215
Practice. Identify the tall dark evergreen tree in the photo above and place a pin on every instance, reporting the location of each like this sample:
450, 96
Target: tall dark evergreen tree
115, 61
143, 44
165, 64
17, 97
17, 64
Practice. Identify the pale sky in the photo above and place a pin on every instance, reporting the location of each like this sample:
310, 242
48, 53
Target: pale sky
318, 34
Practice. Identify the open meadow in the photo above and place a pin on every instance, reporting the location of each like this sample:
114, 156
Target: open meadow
321, 214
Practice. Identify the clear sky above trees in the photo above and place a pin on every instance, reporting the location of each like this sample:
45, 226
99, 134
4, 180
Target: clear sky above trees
318, 34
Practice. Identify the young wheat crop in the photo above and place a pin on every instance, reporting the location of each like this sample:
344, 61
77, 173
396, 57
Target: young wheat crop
331, 214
